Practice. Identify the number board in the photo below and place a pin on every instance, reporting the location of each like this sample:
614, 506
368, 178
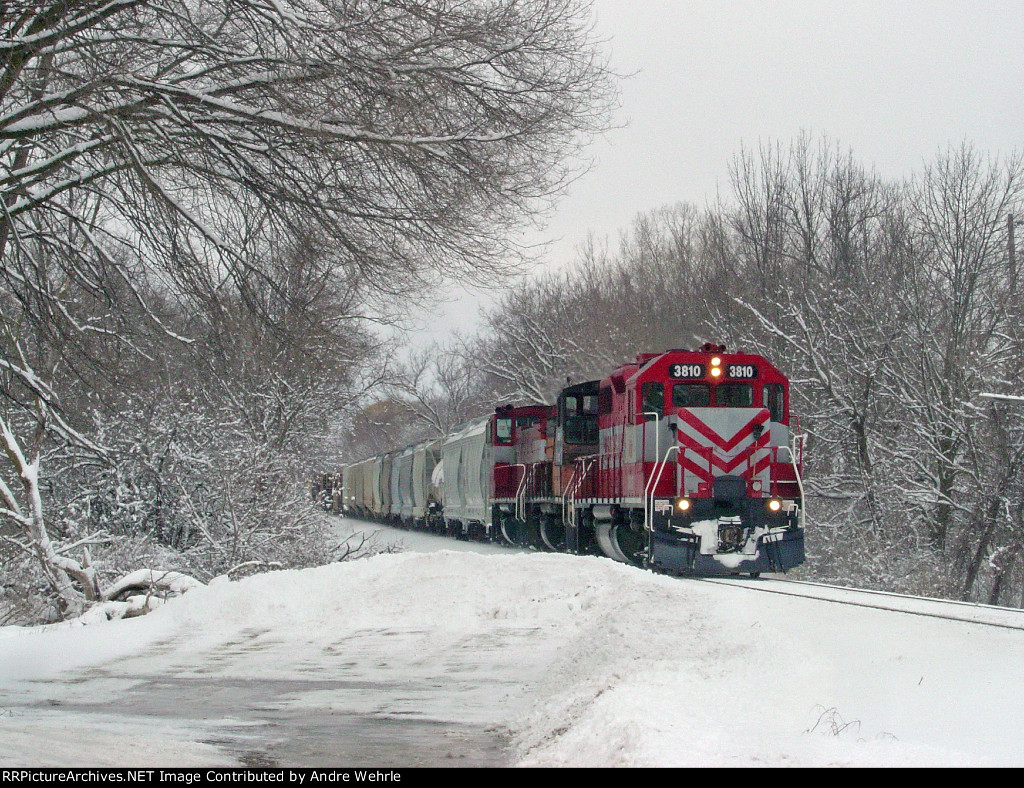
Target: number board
686, 371
740, 371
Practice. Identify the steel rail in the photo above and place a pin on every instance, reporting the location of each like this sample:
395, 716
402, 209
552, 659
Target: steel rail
773, 585
767, 585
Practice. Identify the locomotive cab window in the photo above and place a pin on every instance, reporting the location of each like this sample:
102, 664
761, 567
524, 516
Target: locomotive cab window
691, 395
775, 401
734, 395
579, 418
580, 406
653, 396
503, 430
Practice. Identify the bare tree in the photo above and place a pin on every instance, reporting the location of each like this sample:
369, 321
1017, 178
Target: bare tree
155, 155
542, 332
893, 307
836, 238
958, 311
441, 387
647, 294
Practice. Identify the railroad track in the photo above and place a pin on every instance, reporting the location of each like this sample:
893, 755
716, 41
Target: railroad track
966, 612
928, 607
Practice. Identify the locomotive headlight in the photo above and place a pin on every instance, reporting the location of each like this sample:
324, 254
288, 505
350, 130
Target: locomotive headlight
716, 362
716, 372
683, 505
774, 505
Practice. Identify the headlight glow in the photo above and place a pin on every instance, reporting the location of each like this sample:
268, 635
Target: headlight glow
683, 504
775, 504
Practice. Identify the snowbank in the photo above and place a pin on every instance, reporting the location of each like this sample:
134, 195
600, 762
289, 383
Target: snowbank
582, 661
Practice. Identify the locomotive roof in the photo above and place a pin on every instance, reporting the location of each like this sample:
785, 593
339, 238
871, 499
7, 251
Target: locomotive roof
587, 387
645, 361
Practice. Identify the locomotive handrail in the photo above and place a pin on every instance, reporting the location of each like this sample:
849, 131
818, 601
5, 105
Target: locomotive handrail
652, 485
643, 457
567, 495
649, 525
798, 441
575, 482
565, 492
649, 501
529, 481
583, 476
590, 459
595, 456
522, 483
568, 499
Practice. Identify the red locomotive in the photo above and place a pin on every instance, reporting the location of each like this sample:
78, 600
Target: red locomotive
684, 461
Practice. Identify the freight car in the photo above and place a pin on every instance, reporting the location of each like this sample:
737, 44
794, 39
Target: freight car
682, 461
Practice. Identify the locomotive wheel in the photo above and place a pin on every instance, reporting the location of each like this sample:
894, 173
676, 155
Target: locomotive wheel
530, 533
510, 530
632, 543
619, 542
552, 534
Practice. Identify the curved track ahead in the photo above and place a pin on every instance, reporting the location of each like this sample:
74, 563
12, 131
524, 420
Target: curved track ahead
968, 612
951, 610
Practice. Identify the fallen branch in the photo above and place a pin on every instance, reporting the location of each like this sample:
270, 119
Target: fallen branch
152, 581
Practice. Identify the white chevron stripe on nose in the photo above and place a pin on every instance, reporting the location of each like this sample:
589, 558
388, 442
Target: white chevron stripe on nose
718, 441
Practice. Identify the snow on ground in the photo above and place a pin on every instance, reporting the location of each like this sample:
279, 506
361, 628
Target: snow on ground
578, 660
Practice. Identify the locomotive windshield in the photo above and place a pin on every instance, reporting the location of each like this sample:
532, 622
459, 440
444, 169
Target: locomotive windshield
734, 395
691, 395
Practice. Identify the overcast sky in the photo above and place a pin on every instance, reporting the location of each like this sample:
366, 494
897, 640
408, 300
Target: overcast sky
895, 81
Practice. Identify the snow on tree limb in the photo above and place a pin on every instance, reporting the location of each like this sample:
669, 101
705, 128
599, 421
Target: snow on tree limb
159, 160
